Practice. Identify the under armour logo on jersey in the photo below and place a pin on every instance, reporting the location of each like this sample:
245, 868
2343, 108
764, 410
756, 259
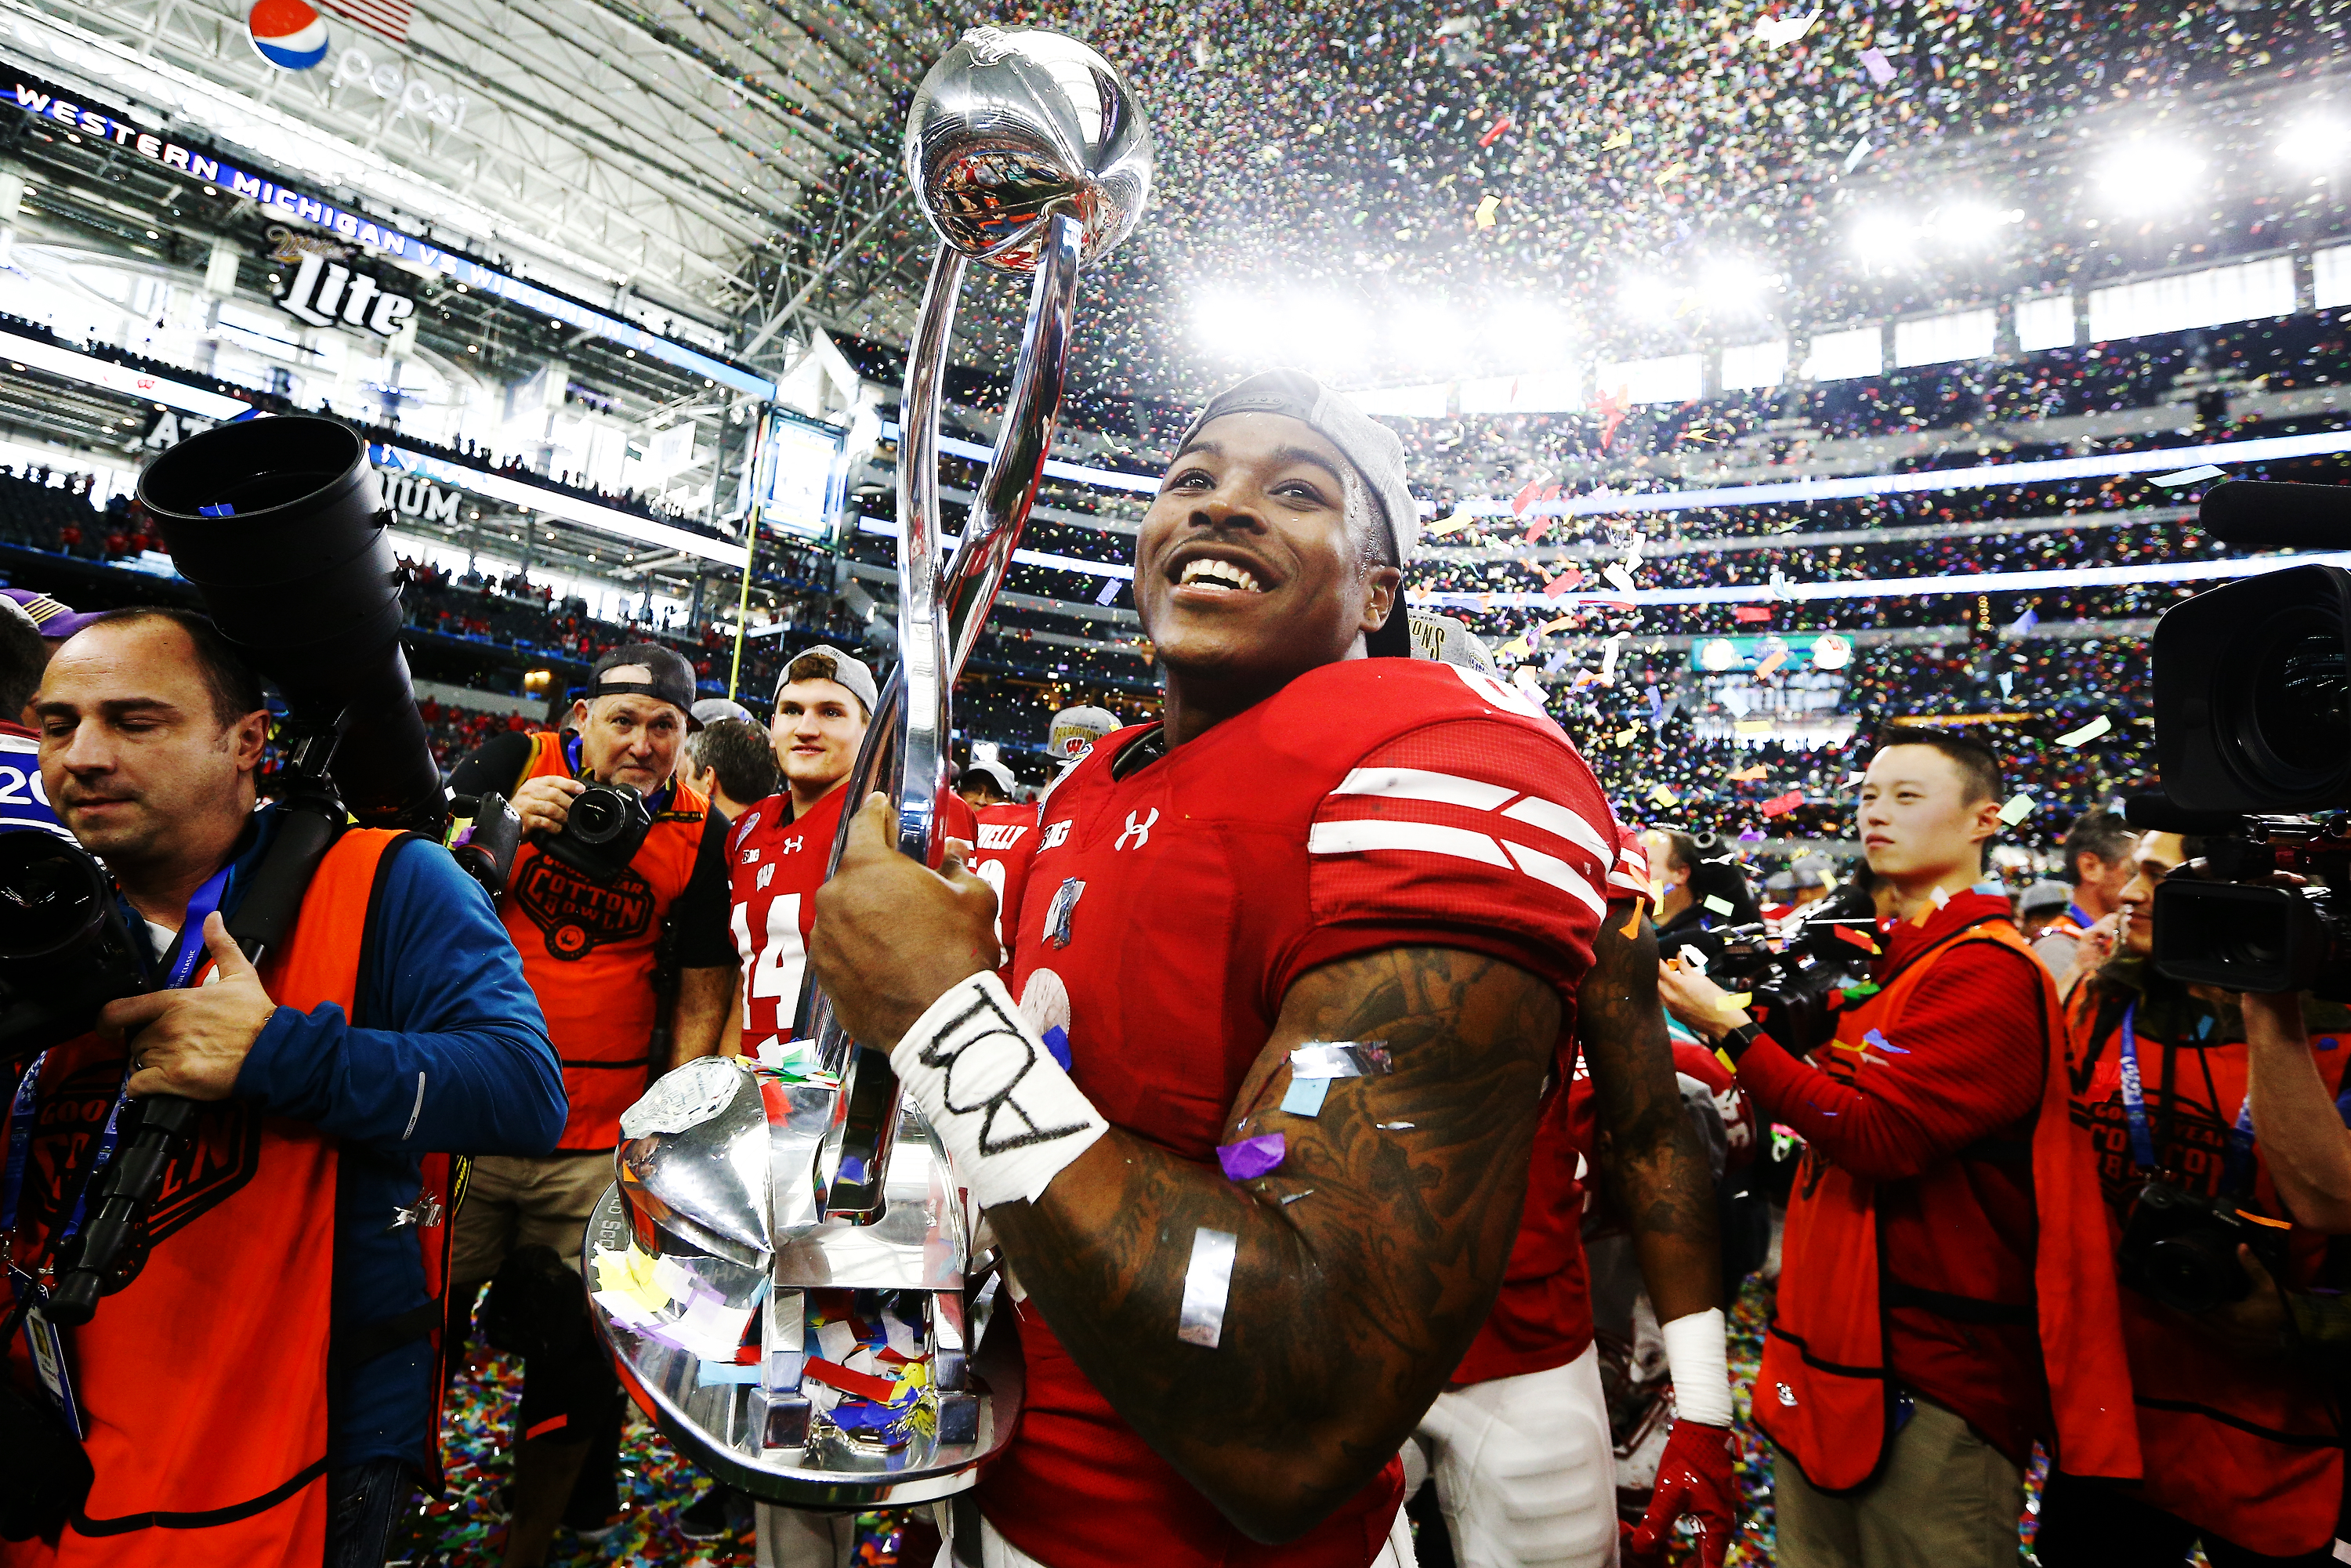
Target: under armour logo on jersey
767, 875
792, 845
1140, 831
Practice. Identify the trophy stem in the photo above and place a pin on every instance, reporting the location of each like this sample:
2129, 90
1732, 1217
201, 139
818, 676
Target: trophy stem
1000, 509
906, 749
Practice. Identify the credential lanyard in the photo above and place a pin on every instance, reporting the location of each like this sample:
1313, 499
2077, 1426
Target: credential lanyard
26, 1108
2240, 1158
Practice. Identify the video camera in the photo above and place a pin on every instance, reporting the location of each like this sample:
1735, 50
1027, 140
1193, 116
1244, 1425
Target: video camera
1796, 990
2253, 729
281, 524
2180, 1248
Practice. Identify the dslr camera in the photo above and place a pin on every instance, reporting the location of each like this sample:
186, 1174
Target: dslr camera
2181, 1249
605, 827
2253, 729
1795, 990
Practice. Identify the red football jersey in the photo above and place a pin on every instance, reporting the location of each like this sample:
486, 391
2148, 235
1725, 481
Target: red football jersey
1370, 804
774, 866
1542, 1317
1000, 855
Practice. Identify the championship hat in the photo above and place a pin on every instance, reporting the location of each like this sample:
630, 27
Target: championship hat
1075, 730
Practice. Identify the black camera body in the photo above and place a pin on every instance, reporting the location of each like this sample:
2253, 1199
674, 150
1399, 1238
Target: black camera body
1795, 991
2252, 728
2181, 1249
605, 827
66, 947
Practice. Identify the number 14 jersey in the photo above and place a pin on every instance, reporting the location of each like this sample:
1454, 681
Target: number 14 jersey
774, 866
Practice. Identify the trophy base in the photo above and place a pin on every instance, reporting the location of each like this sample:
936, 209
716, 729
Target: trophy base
771, 1444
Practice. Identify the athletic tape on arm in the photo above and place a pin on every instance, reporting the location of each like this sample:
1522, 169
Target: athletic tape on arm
1698, 1352
1011, 1118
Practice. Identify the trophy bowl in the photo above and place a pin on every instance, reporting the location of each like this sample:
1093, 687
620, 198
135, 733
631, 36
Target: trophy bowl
1010, 129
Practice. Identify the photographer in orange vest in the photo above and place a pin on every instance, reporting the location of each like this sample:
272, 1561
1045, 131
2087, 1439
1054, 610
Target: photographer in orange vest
1947, 1293
262, 1392
2242, 1446
593, 937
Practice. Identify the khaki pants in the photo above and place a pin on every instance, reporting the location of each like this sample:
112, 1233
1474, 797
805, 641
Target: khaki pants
1943, 1499
517, 1200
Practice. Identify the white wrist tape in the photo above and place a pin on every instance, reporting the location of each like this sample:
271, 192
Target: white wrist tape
1011, 1118
1698, 1355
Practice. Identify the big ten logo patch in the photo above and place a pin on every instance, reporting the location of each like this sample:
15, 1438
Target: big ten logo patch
579, 916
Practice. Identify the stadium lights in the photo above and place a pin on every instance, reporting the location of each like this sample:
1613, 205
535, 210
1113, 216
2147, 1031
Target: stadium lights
1528, 329
1966, 226
2147, 174
2316, 141
1736, 285
1883, 239
1317, 334
1650, 299
1231, 326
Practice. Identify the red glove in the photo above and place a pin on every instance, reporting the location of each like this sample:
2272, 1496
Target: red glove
1694, 1478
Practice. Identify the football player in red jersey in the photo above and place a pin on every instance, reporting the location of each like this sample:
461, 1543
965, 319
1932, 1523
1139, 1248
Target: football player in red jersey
1004, 836
777, 852
1314, 944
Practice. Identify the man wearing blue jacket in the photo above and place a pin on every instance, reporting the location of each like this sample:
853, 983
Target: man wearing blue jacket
264, 1389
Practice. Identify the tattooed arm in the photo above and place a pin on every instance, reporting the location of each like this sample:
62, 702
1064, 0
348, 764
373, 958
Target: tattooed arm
1648, 1154
1349, 1306
1353, 1302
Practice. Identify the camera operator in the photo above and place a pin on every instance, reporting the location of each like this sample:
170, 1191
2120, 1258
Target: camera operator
2241, 1448
595, 943
1945, 1283
262, 1390
2098, 852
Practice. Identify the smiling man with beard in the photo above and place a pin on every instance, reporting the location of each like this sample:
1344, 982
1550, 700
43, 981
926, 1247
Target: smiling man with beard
1311, 951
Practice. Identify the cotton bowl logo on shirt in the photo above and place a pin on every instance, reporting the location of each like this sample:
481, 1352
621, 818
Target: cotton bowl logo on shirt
288, 34
577, 914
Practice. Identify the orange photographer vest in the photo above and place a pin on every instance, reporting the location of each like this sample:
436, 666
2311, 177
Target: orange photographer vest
1824, 1394
206, 1379
2251, 1452
588, 951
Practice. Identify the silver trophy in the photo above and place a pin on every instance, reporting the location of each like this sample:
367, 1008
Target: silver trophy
784, 1270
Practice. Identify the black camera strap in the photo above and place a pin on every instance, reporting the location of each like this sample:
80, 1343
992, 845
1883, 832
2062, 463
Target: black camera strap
2148, 1145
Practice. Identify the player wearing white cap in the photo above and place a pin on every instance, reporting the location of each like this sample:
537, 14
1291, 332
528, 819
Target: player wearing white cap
1317, 950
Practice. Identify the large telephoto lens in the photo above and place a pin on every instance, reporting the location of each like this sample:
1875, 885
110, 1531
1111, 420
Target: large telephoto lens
2299, 711
280, 525
52, 898
2252, 694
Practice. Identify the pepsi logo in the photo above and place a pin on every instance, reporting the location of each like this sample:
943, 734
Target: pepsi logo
288, 34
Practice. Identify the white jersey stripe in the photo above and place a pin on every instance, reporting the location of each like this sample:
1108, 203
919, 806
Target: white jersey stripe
1356, 838
1413, 784
1554, 818
1558, 873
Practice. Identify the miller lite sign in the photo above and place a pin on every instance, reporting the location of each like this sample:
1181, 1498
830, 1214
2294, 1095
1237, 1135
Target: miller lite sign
329, 293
